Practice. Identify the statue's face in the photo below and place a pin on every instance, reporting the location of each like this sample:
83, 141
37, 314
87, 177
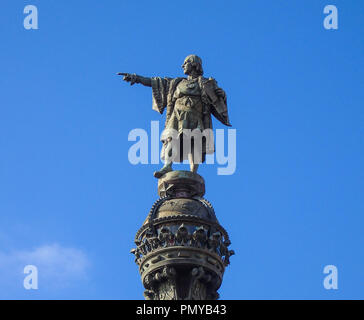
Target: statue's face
187, 66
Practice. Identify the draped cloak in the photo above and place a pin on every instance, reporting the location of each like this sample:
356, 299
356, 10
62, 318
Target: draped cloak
163, 90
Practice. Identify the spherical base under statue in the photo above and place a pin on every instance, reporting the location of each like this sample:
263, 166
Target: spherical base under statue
182, 250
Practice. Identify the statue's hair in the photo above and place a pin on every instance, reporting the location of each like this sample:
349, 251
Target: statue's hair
196, 62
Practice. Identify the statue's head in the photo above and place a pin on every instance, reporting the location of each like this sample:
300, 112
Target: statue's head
192, 64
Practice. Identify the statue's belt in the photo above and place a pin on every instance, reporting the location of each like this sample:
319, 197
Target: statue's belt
179, 107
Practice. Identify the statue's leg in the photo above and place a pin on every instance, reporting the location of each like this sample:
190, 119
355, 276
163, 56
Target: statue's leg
167, 159
168, 154
193, 163
195, 156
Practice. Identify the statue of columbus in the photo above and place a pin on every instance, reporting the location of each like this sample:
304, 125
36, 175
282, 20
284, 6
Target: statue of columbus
189, 102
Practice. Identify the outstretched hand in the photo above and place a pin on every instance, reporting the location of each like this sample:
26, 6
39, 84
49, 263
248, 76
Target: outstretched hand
128, 77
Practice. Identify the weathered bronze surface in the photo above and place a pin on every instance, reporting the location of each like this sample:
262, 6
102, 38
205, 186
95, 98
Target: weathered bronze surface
189, 102
181, 249
182, 184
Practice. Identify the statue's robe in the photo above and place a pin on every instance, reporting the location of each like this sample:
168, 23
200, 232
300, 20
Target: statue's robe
163, 90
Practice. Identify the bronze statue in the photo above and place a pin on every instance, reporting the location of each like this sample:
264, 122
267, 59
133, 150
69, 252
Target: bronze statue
190, 102
181, 249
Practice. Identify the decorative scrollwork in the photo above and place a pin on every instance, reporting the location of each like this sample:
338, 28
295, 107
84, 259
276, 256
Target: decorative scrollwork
183, 235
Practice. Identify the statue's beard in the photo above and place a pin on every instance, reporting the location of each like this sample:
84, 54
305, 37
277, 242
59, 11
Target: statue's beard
192, 73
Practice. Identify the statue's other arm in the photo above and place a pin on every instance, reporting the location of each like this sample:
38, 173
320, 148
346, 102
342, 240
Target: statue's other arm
133, 78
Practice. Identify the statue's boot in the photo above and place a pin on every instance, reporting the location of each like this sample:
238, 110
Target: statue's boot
166, 168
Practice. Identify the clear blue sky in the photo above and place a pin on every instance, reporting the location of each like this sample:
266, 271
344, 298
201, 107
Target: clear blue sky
71, 202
